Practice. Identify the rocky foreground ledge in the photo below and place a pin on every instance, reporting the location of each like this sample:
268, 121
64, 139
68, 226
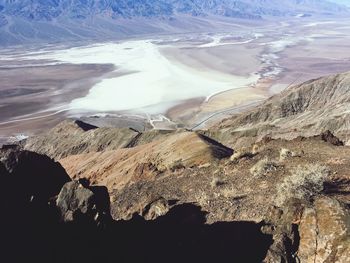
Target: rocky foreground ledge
270, 203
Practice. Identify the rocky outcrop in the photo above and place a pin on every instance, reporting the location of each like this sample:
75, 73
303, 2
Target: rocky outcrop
156, 209
305, 110
29, 184
77, 202
330, 138
325, 232
28, 176
309, 233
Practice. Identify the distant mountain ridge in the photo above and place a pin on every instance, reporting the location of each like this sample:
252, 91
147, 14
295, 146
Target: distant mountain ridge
22, 20
82, 9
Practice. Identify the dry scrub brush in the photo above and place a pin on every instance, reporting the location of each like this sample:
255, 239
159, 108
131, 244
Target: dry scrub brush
263, 167
286, 153
305, 182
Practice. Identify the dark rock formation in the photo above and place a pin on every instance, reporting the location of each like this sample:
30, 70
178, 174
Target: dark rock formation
28, 176
77, 202
330, 138
282, 225
183, 236
29, 183
36, 229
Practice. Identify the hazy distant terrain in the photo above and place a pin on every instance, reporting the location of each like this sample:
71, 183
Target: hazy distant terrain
24, 21
342, 2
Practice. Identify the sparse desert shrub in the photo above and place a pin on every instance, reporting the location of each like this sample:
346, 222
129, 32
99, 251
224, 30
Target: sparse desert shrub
255, 149
263, 167
241, 154
177, 165
347, 143
305, 182
216, 182
228, 191
286, 153
202, 198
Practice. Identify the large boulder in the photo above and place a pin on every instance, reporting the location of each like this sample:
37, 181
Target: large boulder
308, 233
78, 202
325, 232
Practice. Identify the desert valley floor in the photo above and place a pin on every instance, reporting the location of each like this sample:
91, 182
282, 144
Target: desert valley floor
164, 82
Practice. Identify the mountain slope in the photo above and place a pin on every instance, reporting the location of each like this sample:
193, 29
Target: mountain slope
186, 193
124, 166
52, 20
303, 110
76, 137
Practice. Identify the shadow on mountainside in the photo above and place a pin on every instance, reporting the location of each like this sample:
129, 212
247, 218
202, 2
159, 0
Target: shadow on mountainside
182, 236
179, 236
47, 218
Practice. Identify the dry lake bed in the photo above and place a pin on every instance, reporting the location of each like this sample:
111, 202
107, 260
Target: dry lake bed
165, 82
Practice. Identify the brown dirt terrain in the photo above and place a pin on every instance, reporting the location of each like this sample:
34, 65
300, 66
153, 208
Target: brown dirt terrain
118, 168
228, 190
285, 172
73, 137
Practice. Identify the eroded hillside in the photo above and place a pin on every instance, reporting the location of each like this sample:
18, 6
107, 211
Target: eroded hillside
268, 185
304, 110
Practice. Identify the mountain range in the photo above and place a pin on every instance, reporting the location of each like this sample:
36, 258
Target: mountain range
23, 21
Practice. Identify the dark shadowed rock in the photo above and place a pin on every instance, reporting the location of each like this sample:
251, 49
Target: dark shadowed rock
85, 126
28, 176
29, 181
77, 201
182, 235
330, 138
3, 171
